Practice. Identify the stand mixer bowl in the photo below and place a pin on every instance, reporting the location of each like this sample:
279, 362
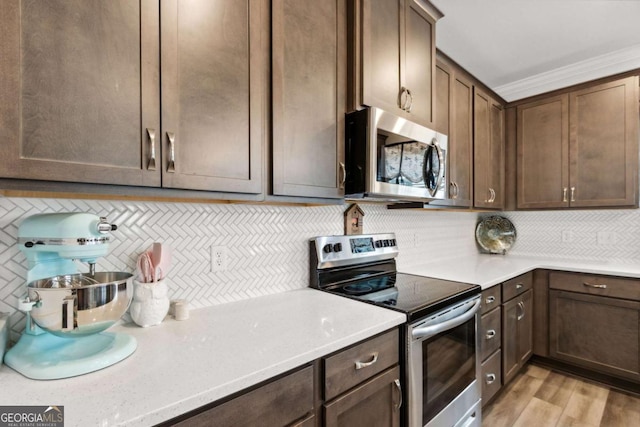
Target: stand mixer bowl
76, 305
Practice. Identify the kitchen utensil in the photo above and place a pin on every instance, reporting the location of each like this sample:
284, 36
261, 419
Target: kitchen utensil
495, 234
146, 268
68, 311
161, 258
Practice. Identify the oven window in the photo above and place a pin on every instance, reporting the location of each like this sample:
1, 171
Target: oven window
448, 367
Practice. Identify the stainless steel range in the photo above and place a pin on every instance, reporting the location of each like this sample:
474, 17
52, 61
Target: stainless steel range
441, 363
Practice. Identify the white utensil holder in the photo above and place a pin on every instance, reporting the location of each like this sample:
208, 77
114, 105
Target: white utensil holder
150, 303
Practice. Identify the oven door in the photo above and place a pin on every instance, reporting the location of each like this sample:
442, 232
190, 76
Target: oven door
443, 367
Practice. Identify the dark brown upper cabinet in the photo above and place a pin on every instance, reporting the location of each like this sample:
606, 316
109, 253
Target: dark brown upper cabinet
79, 88
214, 94
454, 117
488, 181
393, 58
309, 63
579, 149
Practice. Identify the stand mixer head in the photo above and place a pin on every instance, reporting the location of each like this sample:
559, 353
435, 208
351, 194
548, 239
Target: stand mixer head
67, 310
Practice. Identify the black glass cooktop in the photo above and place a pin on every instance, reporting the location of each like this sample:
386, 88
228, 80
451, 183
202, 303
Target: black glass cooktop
417, 296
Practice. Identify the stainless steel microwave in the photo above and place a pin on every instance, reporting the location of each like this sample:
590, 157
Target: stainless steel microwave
390, 158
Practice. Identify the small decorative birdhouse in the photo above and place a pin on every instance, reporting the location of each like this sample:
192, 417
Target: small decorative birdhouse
353, 220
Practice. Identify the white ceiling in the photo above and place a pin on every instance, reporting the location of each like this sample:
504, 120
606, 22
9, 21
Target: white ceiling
521, 48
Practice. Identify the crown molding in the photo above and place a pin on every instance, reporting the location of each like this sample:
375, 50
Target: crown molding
608, 64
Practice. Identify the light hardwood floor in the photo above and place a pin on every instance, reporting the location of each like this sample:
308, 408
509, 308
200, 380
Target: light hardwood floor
539, 397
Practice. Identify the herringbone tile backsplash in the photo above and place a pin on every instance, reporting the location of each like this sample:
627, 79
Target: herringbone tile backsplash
268, 245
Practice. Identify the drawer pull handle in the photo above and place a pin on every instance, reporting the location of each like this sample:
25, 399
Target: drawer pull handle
491, 333
519, 286
490, 300
397, 384
589, 285
490, 378
360, 365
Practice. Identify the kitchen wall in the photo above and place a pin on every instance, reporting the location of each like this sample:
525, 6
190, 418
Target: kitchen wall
268, 245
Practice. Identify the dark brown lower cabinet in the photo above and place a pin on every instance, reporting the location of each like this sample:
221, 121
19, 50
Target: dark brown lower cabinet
375, 403
595, 332
285, 401
517, 334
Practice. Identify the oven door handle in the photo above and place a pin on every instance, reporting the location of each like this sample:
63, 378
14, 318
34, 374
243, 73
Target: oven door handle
433, 330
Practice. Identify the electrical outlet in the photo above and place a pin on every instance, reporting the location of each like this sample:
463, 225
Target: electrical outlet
218, 258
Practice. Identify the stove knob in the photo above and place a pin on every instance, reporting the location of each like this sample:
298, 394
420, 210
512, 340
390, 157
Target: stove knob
393, 242
328, 248
378, 243
337, 247
385, 243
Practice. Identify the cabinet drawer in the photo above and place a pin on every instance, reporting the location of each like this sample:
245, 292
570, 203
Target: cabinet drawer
490, 333
280, 402
615, 287
354, 365
491, 377
516, 286
491, 298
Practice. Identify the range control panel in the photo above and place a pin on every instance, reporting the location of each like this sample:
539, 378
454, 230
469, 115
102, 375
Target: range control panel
336, 251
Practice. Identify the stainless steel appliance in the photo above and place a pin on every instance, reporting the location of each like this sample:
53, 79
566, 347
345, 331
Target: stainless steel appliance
388, 157
441, 363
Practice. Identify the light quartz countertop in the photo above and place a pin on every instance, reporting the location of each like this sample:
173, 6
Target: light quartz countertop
182, 365
488, 270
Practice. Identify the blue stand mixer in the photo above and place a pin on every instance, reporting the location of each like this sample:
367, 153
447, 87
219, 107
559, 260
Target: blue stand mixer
68, 311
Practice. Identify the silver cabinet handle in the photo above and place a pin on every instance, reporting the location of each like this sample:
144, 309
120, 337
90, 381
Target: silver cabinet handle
374, 359
573, 194
493, 195
519, 286
343, 169
521, 305
399, 388
171, 167
457, 190
491, 333
402, 102
564, 195
452, 185
490, 378
410, 99
490, 300
152, 142
589, 285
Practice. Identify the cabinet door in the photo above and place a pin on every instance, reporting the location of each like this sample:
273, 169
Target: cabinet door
381, 50
454, 117
214, 80
79, 87
596, 332
309, 97
543, 153
419, 63
525, 328
603, 144
517, 334
375, 403
461, 141
488, 118
496, 153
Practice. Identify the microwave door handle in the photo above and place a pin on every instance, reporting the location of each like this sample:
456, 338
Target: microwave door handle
433, 330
